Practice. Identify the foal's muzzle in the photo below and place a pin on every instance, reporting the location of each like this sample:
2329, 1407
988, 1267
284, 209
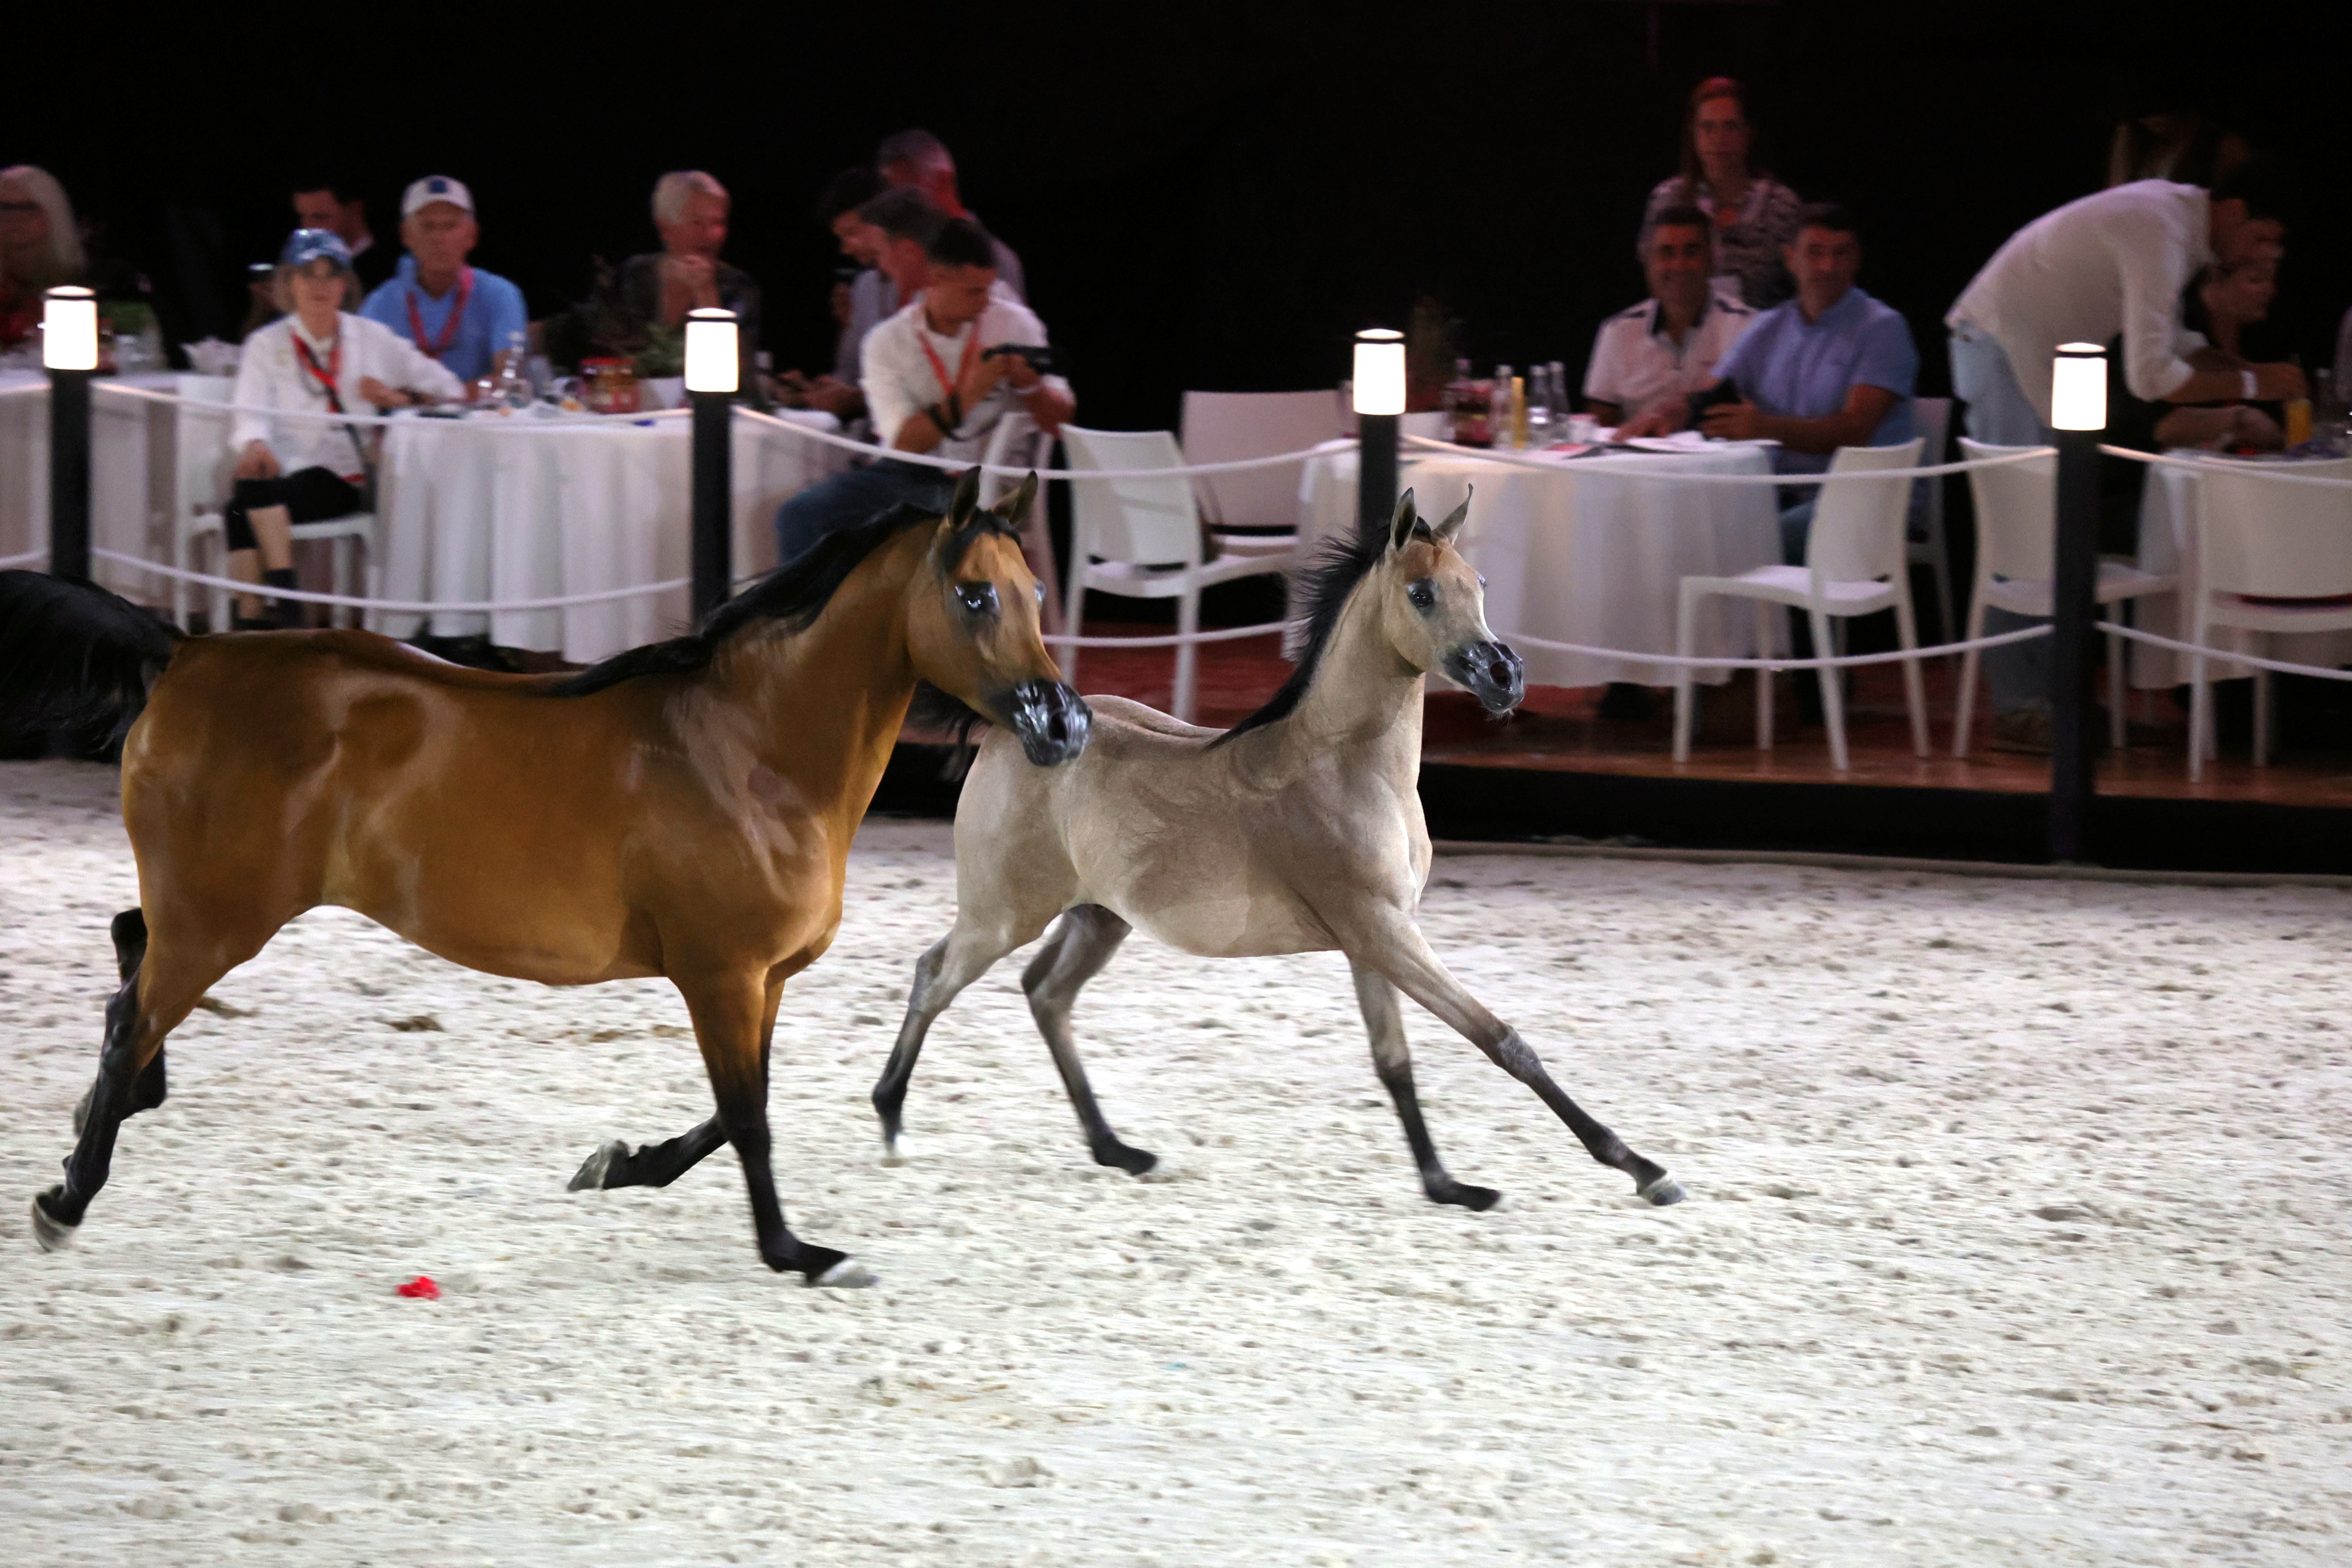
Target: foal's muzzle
1491, 671
1052, 720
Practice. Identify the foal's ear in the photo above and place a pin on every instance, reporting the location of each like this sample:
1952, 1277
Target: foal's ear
1403, 522
967, 495
1454, 520
1015, 506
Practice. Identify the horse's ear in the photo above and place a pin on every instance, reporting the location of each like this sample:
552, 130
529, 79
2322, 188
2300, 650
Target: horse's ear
1014, 507
967, 495
1402, 524
1452, 526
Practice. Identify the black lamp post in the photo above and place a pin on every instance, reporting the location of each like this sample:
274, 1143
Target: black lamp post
712, 370
2078, 413
1380, 403
69, 353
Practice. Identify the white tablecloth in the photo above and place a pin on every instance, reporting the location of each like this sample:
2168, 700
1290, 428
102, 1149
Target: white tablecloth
130, 476
1589, 554
2168, 519
477, 510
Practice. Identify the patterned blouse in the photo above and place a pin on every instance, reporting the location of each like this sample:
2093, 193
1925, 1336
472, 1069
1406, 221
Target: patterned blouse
1747, 253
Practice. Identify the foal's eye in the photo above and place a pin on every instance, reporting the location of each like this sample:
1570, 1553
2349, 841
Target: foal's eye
979, 598
1423, 593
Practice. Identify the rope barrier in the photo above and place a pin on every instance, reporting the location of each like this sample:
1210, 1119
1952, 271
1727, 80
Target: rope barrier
1229, 633
2221, 464
397, 606
925, 460
1566, 466
26, 559
2223, 656
1827, 661
325, 417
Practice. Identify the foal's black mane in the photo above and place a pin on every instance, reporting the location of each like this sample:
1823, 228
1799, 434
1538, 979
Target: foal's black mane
795, 593
1323, 589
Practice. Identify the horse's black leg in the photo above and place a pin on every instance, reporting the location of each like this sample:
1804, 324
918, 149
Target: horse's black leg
952, 963
149, 1088
123, 1087
653, 1165
1078, 949
1393, 1060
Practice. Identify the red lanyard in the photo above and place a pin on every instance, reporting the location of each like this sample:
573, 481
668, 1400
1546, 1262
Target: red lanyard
326, 378
971, 349
449, 327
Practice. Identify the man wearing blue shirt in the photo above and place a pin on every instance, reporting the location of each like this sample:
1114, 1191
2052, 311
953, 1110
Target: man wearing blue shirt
457, 315
1830, 368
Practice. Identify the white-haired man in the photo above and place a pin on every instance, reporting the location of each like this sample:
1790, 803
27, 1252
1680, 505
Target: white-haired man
457, 313
656, 290
917, 158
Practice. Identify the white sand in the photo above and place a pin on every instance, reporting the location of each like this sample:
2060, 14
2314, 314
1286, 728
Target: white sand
2017, 1235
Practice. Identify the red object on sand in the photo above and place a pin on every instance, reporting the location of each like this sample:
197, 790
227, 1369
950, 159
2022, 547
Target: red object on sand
420, 1289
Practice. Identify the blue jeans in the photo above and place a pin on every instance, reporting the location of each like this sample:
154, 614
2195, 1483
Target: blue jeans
2000, 414
857, 496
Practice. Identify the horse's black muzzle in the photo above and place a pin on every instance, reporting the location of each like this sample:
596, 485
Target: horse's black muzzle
1052, 720
1491, 671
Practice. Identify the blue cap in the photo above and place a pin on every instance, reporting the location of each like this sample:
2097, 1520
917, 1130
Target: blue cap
307, 244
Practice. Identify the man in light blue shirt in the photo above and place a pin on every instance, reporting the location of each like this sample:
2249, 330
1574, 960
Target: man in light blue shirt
457, 315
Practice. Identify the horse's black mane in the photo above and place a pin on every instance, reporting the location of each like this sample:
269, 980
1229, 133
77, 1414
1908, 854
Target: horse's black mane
795, 593
1323, 589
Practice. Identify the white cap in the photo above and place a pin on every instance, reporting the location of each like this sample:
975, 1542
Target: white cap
436, 188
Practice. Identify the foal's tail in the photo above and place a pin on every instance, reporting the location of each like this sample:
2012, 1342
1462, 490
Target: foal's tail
75, 661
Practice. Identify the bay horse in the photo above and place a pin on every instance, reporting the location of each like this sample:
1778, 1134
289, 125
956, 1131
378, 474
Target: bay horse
1299, 830
683, 809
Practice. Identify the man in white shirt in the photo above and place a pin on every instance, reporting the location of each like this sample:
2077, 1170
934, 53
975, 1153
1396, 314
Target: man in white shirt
2115, 263
317, 358
1666, 346
939, 377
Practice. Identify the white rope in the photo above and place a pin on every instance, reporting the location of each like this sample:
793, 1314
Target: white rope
1230, 634
2219, 464
2223, 656
397, 606
27, 389
1646, 472
323, 416
925, 460
26, 559
1839, 661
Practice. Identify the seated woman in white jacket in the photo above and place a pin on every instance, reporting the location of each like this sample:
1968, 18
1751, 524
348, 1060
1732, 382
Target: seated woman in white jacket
316, 359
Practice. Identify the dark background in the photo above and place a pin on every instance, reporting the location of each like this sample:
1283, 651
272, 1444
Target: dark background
1213, 196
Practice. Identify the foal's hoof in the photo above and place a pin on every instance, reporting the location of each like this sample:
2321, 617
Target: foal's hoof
1134, 1162
833, 1271
894, 1151
1661, 1189
50, 1233
1478, 1200
597, 1166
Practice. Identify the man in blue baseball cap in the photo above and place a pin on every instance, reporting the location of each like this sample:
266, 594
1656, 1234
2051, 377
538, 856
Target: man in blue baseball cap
454, 312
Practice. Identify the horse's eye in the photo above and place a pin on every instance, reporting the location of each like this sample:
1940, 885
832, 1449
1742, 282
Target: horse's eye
1481, 579
1041, 594
979, 598
1423, 593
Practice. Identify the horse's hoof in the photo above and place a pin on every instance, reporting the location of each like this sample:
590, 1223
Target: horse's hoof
895, 1151
1478, 1200
1661, 1190
1142, 1164
597, 1166
81, 1108
846, 1275
50, 1233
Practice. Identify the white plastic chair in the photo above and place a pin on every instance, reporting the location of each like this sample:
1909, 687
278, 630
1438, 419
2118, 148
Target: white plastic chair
201, 462
1855, 564
2278, 541
1017, 443
2017, 543
1932, 418
1229, 426
1142, 539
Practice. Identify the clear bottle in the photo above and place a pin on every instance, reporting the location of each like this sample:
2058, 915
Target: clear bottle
1538, 416
510, 387
1500, 410
2330, 426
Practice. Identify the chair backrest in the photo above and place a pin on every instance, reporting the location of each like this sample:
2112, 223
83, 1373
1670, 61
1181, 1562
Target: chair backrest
1224, 426
1857, 531
1932, 418
2017, 511
2293, 541
1015, 443
200, 445
1146, 521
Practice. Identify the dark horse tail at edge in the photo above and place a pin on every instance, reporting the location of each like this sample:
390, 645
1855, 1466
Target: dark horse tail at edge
76, 661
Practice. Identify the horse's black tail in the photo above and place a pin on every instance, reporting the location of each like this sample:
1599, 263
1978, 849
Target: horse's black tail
76, 661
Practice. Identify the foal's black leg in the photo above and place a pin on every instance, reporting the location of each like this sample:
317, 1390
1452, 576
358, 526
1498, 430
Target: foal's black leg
653, 1165
1073, 955
1393, 1060
119, 1092
951, 963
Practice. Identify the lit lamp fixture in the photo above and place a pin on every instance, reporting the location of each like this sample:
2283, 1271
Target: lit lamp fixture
70, 329
712, 364
2078, 387
1379, 371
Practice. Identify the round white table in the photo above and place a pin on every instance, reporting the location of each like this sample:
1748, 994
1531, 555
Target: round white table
1589, 554
483, 508
2169, 515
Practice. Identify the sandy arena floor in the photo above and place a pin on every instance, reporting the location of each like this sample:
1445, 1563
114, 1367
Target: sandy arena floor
2017, 1235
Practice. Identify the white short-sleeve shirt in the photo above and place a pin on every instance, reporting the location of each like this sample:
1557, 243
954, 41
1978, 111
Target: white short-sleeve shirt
900, 380
1634, 363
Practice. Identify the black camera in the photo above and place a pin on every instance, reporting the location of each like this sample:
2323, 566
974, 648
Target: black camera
1039, 356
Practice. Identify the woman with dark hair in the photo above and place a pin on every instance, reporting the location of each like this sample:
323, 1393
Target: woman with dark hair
1755, 214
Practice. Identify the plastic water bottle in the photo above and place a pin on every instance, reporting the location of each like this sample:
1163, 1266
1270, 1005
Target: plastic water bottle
512, 387
1500, 409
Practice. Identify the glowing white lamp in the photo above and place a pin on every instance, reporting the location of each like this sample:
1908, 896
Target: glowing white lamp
2078, 387
711, 364
1379, 371
70, 329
